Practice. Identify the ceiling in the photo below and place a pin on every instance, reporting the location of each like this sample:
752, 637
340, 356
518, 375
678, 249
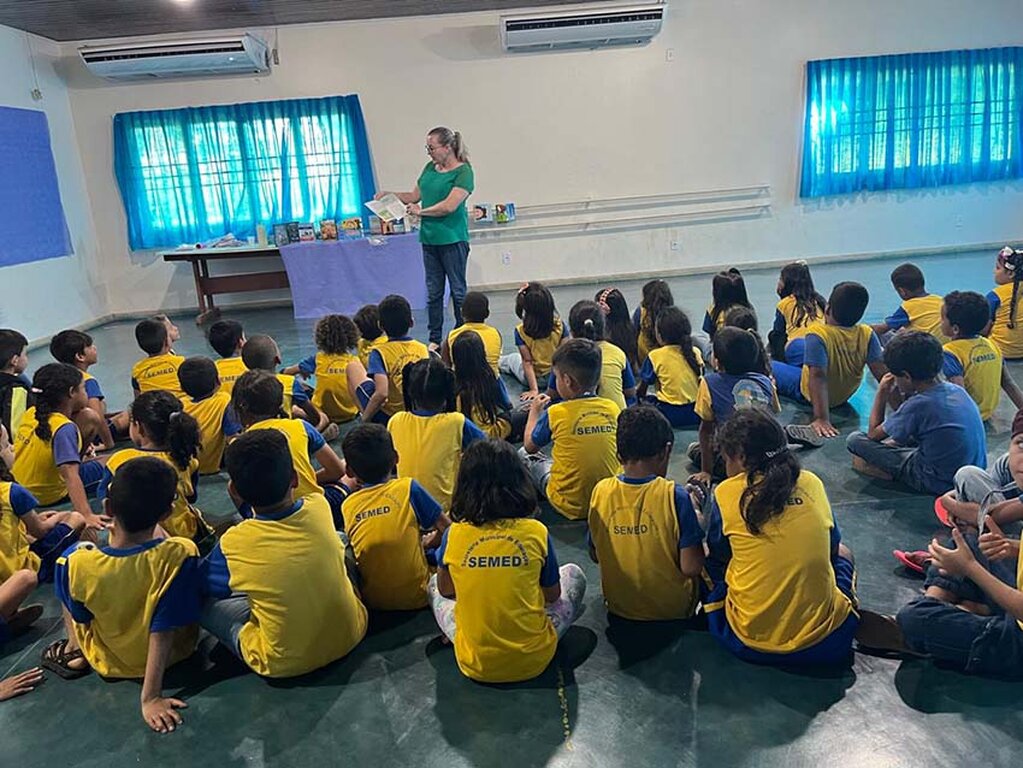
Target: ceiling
65, 20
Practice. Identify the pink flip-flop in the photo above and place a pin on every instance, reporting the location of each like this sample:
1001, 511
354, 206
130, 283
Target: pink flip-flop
942, 514
915, 561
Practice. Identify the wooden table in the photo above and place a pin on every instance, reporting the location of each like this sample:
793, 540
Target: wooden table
207, 286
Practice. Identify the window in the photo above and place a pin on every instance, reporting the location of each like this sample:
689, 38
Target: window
914, 120
188, 175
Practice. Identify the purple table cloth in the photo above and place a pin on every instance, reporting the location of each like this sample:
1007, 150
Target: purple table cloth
339, 276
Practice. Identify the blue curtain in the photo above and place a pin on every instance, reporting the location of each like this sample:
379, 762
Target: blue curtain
189, 175
914, 120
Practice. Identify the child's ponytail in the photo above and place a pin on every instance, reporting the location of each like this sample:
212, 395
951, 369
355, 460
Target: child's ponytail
586, 321
52, 386
1012, 260
675, 330
168, 426
755, 436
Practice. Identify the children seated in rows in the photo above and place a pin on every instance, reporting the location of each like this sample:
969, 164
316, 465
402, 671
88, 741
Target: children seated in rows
227, 337
475, 311
919, 311
207, 402
334, 365
260, 353
159, 369
380, 395
77, 349
536, 338
674, 368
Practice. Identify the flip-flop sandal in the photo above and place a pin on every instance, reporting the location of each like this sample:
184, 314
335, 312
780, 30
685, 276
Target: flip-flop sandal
804, 434
915, 561
57, 659
942, 514
24, 618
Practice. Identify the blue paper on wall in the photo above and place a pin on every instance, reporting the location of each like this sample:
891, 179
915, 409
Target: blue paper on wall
32, 223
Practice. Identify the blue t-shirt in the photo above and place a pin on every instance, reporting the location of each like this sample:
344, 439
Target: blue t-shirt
93, 390
945, 423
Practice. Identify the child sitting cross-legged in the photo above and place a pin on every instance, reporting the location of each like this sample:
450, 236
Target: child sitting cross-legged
159, 369
78, 349
642, 527
919, 310
674, 368
131, 608
280, 597
936, 430
481, 396
206, 401
475, 311
499, 595
227, 337
261, 353
334, 365
385, 520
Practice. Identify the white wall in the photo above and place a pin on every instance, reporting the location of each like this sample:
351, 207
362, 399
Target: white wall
726, 111
43, 297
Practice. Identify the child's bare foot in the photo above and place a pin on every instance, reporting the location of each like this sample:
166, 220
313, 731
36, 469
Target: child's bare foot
19, 685
879, 632
869, 469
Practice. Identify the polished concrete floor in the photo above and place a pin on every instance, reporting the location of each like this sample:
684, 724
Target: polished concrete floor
658, 695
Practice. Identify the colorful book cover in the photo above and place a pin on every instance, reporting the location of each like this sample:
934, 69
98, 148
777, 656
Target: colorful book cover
353, 224
504, 213
483, 213
292, 231
375, 225
280, 234
306, 232
328, 229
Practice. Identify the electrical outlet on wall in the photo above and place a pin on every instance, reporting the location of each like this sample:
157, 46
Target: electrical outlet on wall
675, 245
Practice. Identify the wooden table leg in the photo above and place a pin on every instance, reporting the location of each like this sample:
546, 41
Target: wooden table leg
208, 310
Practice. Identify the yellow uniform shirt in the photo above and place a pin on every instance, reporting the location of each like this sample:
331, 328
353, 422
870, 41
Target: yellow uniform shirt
782, 596
502, 632
490, 336
979, 362
499, 428
429, 447
366, 346
14, 552
184, 519
796, 328
583, 431
159, 372
35, 466
643, 346
922, 313
331, 394
298, 433
846, 352
304, 610
383, 522
677, 382
541, 350
637, 527
1009, 340
613, 365
214, 428
230, 369
288, 383
116, 597
390, 358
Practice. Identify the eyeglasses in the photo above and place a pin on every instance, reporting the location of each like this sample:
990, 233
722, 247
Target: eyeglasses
432, 149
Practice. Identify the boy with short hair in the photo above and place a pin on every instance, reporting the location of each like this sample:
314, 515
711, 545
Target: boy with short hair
973, 361
261, 353
836, 352
207, 402
15, 388
160, 369
384, 520
919, 311
227, 337
367, 320
380, 395
643, 530
77, 349
936, 430
475, 311
131, 608
281, 597
582, 427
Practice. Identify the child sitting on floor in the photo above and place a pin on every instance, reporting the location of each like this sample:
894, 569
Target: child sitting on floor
159, 370
936, 430
261, 353
385, 520
919, 311
380, 396
333, 365
728, 290
618, 327
536, 337
367, 320
15, 389
499, 595
642, 527
617, 382
475, 311
227, 337
799, 307
77, 349
1006, 331
655, 299
280, 597
207, 402
674, 367
131, 608
479, 395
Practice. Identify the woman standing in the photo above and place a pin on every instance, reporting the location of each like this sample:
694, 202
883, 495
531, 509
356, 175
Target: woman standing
438, 198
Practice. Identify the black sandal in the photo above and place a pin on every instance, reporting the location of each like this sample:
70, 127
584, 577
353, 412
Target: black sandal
57, 659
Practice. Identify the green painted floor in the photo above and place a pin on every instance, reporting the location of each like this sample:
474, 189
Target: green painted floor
664, 695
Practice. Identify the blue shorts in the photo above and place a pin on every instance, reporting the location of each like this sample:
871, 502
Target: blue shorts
795, 351
678, 415
363, 393
52, 546
787, 378
91, 473
834, 649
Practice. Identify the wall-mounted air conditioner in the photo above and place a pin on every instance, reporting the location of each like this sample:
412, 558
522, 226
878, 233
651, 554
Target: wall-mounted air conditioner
229, 55
596, 28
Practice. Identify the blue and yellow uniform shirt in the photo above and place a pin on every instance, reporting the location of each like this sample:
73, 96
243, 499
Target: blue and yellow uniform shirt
501, 426
303, 443
503, 632
979, 362
117, 597
389, 359
785, 319
430, 447
490, 336
294, 392
229, 370
677, 383
922, 313
541, 350
842, 352
615, 374
36, 461
366, 346
304, 612
637, 527
184, 519
710, 326
720, 394
643, 346
331, 394
15, 503
217, 422
583, 431
383, 522
159, 372
92, 388
1009, 340
781, 592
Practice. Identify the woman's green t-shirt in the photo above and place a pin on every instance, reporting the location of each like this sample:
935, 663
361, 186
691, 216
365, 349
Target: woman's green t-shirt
435, 186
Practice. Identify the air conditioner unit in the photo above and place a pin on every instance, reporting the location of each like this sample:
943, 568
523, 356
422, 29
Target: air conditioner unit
597, 28
229, 55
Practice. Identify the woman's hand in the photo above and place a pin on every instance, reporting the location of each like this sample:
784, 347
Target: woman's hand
380, 195
414, 209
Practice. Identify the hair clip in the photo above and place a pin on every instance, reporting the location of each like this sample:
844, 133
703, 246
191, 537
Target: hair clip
776, 452
36, 391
